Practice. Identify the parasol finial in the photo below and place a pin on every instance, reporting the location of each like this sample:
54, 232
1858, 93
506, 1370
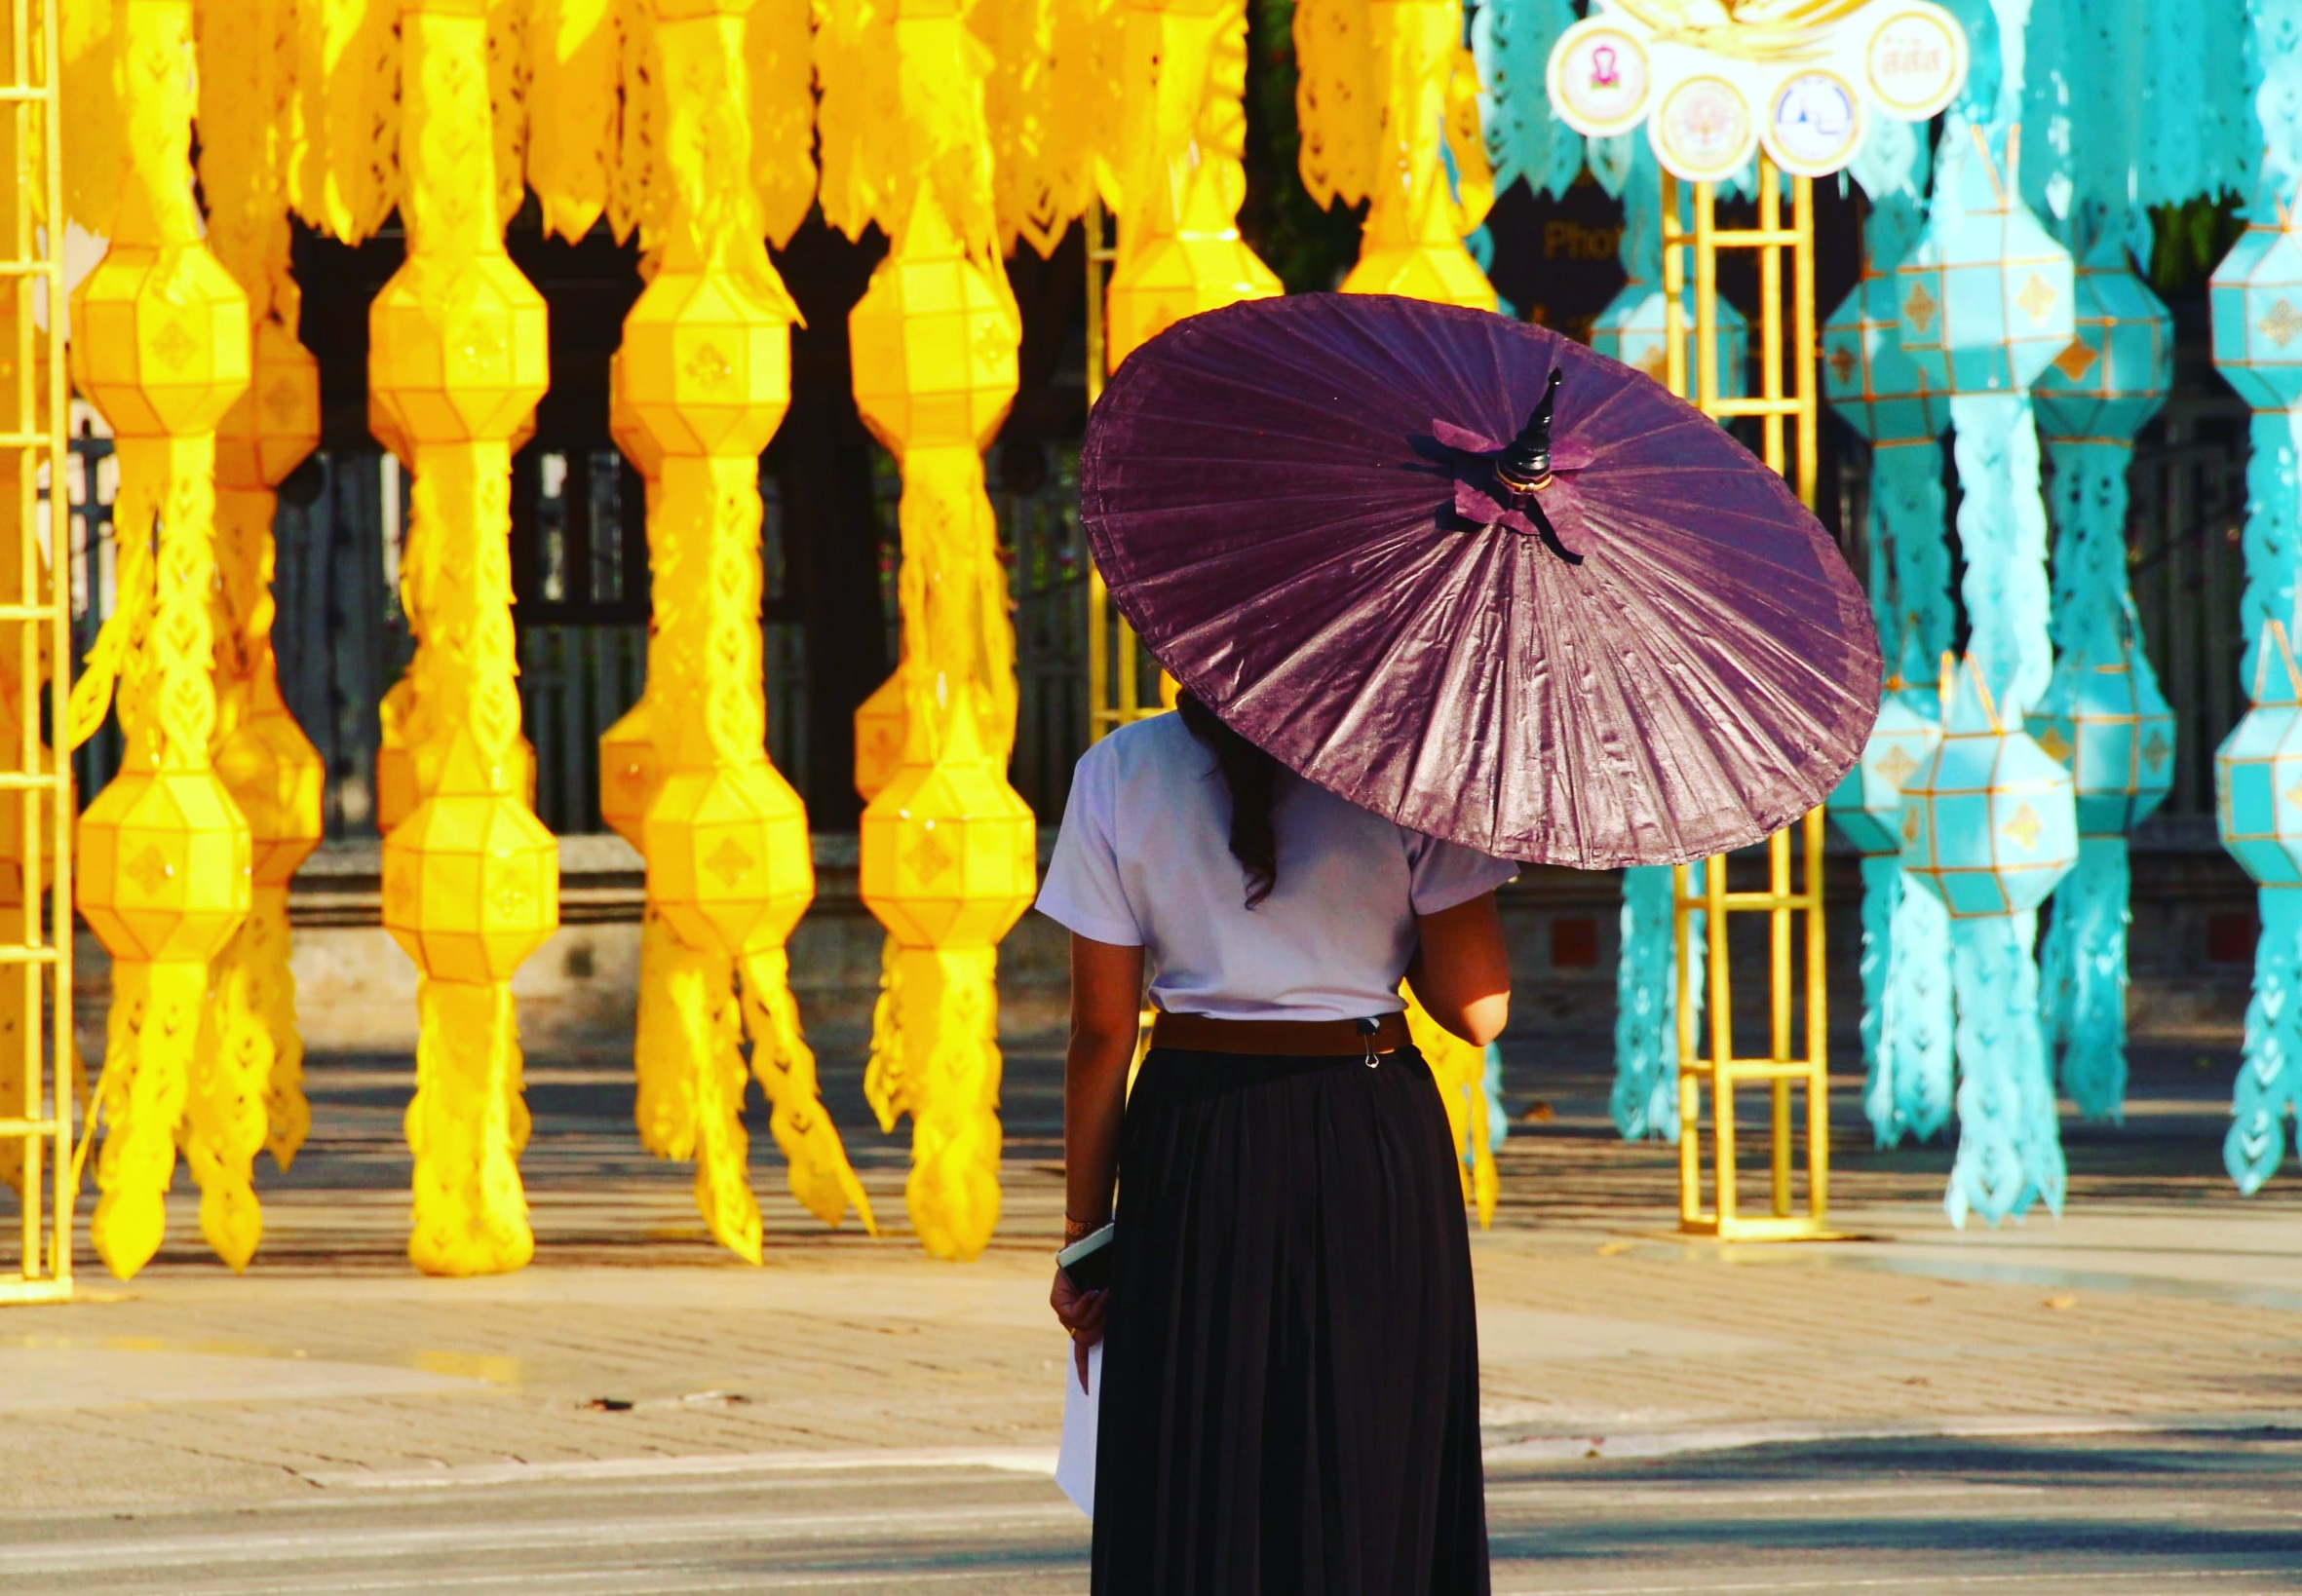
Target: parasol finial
1526, 464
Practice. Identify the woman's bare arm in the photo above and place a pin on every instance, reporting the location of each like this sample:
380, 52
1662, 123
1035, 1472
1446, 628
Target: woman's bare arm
1106, 1010
1461, 972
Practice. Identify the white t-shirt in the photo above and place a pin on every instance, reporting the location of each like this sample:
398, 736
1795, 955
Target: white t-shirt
1144, 861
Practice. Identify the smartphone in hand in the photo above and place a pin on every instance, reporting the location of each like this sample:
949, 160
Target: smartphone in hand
1086, 1262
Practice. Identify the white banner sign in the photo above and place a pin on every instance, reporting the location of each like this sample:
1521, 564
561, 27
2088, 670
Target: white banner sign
1716, 80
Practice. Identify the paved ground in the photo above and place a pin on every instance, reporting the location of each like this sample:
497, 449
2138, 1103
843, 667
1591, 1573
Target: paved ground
2112, 1402
2077, 1516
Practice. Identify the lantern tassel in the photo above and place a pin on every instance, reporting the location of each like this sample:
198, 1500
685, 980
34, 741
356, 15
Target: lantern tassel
2269, 1089
225, 1123
1882, 892
949, 1003
2009, 1155
697, 991
1918, 1035
822, 1177
663, 1106
1645, 1096
263, 942
471, 1213
885, 1086
154, 1023
2082, 976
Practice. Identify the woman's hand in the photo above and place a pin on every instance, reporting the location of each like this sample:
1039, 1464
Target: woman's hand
1082, 1313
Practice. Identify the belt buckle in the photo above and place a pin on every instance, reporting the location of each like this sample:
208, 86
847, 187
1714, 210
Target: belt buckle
1367, 1029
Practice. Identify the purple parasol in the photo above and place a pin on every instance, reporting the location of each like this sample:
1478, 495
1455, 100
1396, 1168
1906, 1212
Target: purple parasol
1329, 517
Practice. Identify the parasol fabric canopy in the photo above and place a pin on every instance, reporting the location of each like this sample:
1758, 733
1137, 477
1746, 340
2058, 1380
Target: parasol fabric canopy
1306, 507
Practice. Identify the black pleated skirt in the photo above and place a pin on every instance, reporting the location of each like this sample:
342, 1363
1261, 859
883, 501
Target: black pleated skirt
1290, 1375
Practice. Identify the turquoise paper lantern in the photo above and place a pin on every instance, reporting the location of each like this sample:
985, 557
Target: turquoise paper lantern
1990, 822
2258, 770
1631, 329
2113, 375
2256, 297
2112, 727
1867, 802
1869, 377
1986, 300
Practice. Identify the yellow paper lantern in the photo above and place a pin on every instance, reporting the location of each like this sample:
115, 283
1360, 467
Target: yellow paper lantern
949, 852
456, 349
933, 341
277, 781
705, 365
161, 343
1181, 139
879, 737
163, 866
1412, 241
907, 146
162, 876
728, 859
457, 358
701, 383
628, 773
275, 423
475, 888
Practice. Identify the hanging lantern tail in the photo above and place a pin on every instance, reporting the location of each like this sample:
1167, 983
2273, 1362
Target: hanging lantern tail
885, 1083
471, 1212
2269, 1089
1645, 1096
1918, 1037
2083, 974
155, 1017
722, 1147
1882, 890
670, 1034
2008, 1157
949, 1002
288, 1113
225, 1124
822, 1177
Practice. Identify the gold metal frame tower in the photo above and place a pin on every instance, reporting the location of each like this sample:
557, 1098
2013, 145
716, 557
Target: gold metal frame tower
34, 622
1786, 1066
1114, 659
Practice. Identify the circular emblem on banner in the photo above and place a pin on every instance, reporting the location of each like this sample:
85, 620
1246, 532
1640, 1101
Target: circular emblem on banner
1702, 131
1916, 59
1599, 76
1814, 124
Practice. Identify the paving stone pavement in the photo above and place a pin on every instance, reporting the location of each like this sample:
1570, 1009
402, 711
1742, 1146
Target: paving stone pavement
2161, 1315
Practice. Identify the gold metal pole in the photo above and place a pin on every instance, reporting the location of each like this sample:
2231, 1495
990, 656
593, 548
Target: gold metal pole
1805, 353
1721, 998
1783, 394
1690, 1088
1707, 298
1769, 315
40, 1121
1780, 970
1817, 1031
1114, 659
1675, 373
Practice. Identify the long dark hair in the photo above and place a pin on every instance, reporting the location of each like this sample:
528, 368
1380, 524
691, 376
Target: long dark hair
1250, 774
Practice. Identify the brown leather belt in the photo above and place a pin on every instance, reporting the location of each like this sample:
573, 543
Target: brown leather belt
1293, 1038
